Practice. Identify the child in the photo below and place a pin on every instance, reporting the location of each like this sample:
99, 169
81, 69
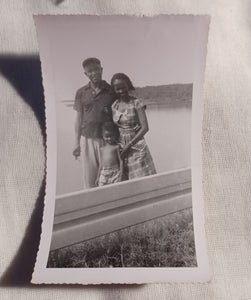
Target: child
111, 165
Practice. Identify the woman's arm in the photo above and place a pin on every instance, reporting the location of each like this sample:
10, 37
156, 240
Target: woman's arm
143, 124
143, 129
121, 164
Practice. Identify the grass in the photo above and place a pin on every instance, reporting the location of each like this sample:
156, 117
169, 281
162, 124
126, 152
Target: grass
164, 242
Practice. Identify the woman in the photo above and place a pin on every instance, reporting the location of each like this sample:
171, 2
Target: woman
130, 117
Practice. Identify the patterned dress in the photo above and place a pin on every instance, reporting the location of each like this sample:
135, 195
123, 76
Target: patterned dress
138, 162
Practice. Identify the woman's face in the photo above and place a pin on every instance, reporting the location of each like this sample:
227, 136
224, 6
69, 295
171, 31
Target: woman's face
121, 88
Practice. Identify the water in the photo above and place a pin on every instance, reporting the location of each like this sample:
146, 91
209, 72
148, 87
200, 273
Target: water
168, 138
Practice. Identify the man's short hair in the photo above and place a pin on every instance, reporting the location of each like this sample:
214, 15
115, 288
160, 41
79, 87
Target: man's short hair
91, 60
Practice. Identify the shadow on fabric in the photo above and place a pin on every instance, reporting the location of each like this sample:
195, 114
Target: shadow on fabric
24, 74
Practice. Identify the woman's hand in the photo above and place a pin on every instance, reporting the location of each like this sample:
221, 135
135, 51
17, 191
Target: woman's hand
76, 151
125, 150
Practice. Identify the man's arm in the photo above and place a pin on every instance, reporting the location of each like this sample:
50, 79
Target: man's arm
76, 151
78, 107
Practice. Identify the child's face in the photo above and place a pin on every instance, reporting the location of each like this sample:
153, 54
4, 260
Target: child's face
94, 72
109, 137
121, 88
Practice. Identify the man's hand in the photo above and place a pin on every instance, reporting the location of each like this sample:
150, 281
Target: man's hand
76, 151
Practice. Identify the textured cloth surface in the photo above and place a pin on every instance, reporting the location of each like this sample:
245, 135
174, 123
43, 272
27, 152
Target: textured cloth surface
226, 149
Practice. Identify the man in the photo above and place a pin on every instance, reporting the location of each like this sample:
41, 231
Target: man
93, 105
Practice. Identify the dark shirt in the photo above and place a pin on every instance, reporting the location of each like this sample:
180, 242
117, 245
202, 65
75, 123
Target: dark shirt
95, 108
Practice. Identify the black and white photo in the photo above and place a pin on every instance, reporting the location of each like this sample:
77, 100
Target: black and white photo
124, 98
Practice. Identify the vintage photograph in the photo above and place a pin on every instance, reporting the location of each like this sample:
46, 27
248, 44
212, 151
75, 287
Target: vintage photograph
123, 99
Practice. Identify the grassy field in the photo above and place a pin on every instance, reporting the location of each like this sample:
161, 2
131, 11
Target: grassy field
164, 242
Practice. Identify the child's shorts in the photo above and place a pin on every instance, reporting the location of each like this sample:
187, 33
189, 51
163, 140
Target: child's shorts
108, 176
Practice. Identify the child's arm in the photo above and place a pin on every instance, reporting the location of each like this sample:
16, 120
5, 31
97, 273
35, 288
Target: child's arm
121, 164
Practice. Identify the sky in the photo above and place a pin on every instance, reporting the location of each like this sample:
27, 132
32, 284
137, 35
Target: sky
151, 51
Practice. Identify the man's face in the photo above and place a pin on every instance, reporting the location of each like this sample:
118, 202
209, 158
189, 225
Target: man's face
94, 72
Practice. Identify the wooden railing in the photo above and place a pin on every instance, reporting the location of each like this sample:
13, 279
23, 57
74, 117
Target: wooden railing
88, 214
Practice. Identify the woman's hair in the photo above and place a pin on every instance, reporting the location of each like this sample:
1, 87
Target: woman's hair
122, 76
110, 127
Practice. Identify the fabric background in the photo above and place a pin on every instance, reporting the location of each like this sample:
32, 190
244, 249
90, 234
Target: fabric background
226, 149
